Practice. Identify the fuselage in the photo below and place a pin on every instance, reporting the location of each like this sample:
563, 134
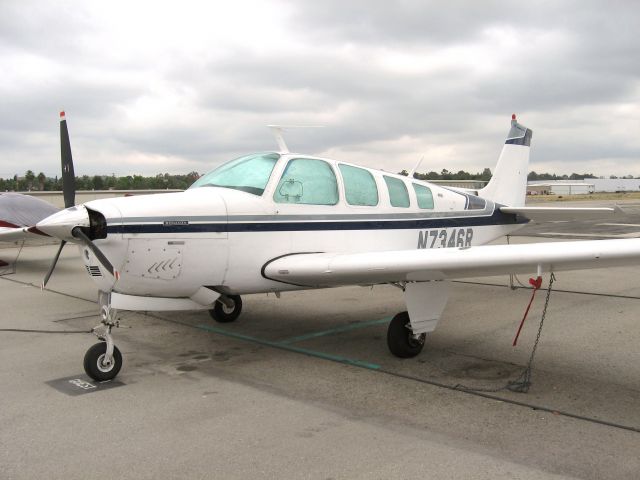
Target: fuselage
220, 235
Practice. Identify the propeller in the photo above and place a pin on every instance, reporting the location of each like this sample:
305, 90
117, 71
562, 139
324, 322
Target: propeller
68, 175
53, 264
68, 184
69, 193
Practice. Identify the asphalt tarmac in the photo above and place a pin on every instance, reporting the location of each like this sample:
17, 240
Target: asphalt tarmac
304, 386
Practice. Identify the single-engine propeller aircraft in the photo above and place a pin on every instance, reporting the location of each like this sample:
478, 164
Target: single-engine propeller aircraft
19, 213
282, 221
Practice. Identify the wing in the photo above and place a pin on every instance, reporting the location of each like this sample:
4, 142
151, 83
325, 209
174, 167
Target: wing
557, 214
334, 269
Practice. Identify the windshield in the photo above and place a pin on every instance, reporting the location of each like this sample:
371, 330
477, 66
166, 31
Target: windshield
249, 174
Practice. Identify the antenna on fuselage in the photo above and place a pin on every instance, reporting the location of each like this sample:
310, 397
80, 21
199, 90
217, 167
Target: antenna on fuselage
278, 130
413, 170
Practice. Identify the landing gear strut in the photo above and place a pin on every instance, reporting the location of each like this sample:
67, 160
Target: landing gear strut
103, 360
401, 340
226, 309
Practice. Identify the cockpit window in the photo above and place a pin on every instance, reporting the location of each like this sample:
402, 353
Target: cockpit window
398, 194
249, 174
307, 181
359, 186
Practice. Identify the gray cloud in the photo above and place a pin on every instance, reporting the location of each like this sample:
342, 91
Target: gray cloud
390, 80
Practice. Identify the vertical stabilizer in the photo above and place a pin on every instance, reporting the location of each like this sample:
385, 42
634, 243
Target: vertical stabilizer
508, 185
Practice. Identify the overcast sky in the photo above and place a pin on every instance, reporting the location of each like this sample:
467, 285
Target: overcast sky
155, 86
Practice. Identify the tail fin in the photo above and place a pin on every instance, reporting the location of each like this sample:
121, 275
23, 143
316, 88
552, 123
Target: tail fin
508, 185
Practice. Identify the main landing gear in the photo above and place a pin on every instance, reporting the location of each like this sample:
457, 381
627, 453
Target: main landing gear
226, 309
103, 360
401, 340
425, 302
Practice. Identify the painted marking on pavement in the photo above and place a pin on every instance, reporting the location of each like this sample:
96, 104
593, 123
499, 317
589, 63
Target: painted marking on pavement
81, 385
291, 348
618, 224
331, 331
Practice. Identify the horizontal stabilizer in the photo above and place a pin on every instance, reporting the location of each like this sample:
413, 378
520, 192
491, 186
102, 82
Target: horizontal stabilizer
559, 214
334, 269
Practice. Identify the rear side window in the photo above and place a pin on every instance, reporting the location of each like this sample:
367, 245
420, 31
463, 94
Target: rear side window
475, 203
359, 186
398, 193
307, 181
424, 196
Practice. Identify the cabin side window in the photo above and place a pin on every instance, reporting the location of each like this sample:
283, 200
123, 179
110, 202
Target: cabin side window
307, 181
398, 193
424, 196
359, 186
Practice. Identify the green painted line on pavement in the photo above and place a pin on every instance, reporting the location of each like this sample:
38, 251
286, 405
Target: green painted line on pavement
290, 348
331, 331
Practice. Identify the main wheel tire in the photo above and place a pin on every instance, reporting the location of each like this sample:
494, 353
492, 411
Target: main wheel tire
400, 339
223, 314
94, 366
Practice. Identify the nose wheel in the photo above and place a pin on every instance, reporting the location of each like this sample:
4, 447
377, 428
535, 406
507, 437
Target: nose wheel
98, 367
226, 309
103, 360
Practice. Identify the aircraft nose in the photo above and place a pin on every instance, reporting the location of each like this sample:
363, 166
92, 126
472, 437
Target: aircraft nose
61, 224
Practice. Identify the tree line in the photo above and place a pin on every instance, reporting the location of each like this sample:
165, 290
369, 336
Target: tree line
445, 174
162, 181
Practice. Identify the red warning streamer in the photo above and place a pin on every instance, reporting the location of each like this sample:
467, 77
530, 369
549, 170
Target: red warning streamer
536, 283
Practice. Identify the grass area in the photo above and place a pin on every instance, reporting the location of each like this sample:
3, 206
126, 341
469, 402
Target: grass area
584, 196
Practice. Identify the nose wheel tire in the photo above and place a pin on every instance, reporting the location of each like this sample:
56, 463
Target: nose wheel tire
222, 313
400, 338
95, 366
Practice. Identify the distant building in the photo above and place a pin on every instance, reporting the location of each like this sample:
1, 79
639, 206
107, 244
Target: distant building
616, 184
560, 187
538, 189
585, 186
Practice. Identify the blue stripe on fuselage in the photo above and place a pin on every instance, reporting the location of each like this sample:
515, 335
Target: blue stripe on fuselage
497, 218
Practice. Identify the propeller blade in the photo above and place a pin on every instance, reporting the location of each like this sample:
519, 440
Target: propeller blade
53, 264
68, 175
79, 234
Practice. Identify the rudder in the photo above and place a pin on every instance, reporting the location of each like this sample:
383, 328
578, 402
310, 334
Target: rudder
508, 185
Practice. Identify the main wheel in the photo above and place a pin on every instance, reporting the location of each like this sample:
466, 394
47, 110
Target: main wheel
223, 314
400, 338
94, 363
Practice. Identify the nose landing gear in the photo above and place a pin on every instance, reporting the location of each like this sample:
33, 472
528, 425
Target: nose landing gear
103, 360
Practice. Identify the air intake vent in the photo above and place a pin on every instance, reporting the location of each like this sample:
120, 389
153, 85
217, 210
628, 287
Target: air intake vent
94, 271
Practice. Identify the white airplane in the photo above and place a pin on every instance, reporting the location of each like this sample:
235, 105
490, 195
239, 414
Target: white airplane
20, 213
282, 221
